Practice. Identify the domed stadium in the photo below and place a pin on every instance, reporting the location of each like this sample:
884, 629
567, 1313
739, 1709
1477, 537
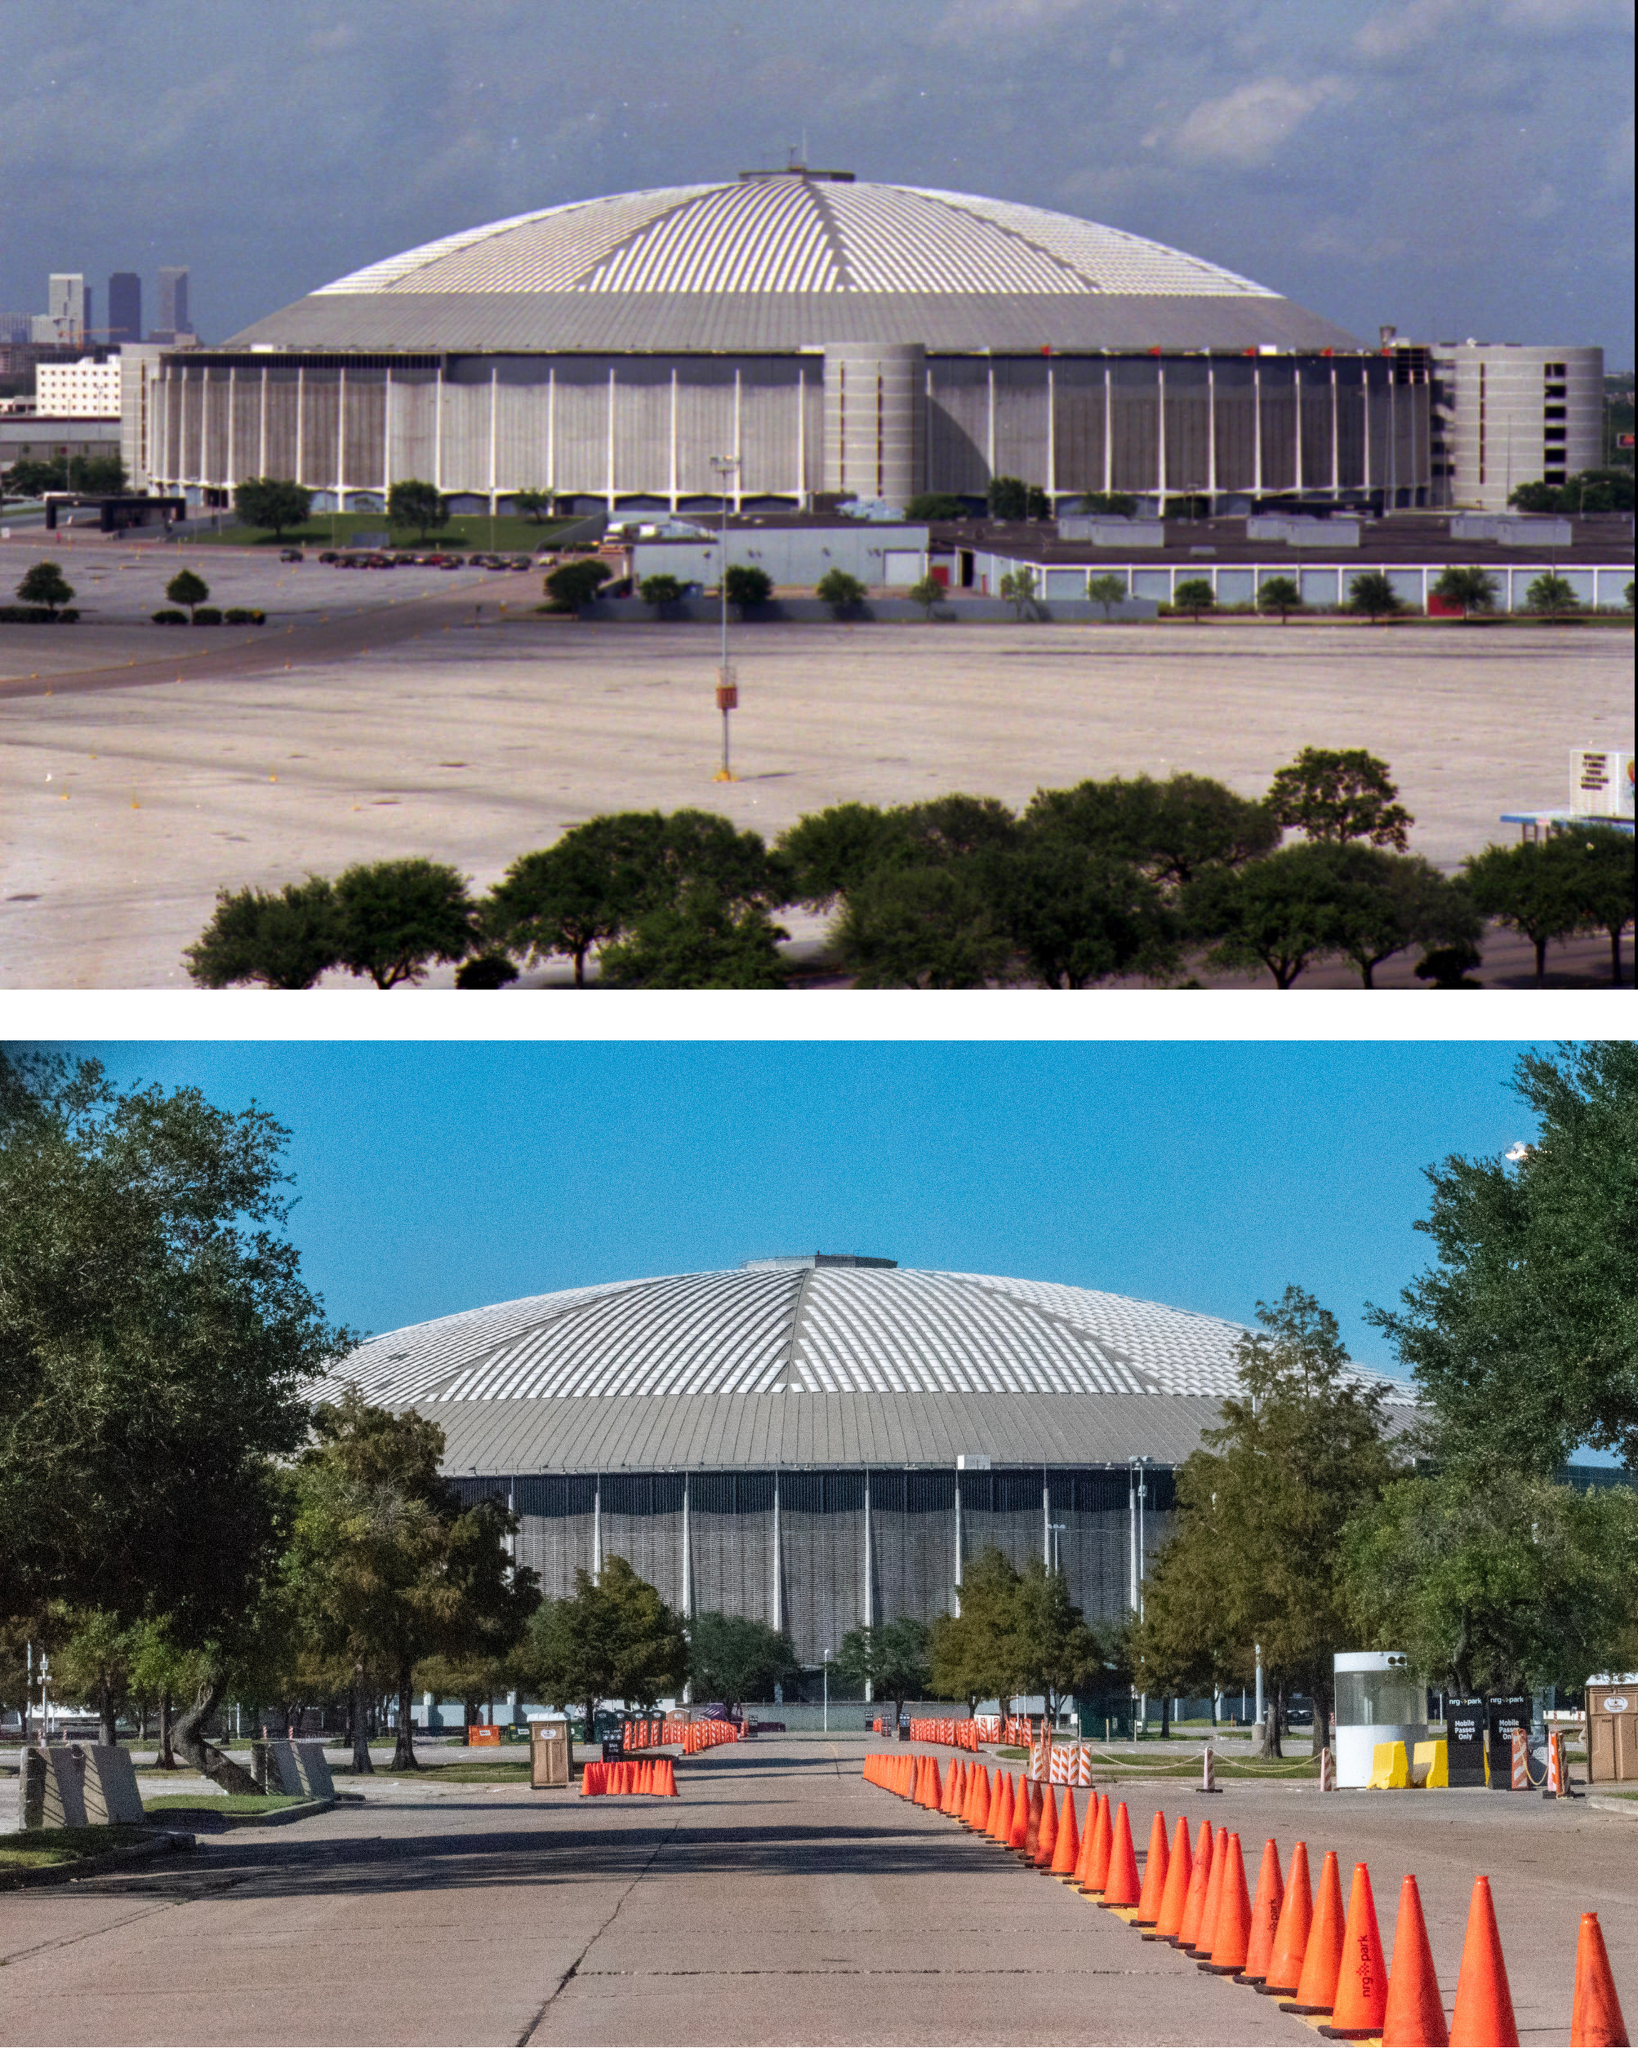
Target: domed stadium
819, 1441
826, 334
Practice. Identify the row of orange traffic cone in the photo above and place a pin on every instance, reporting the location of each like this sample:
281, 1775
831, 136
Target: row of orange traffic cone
657, 1775
1285, 1943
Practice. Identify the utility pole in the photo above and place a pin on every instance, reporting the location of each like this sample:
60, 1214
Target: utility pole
726, 466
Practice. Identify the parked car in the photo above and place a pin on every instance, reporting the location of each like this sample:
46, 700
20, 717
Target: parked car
330, 555
292, 555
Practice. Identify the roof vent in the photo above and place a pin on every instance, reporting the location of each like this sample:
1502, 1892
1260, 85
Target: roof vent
794, 1261
797, 171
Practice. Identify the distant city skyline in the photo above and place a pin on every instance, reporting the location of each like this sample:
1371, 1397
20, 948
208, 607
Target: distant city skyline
1296, 143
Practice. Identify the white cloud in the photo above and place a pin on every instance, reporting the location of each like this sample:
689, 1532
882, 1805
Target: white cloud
1245, 126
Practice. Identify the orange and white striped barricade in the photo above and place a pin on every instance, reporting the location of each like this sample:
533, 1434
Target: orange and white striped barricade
1083, 1764
1521, 1760
1328, 1770
1208, 1769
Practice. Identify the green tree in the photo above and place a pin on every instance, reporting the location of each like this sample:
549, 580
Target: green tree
1173, 830
925, 927
1257, 1556
272, 502
283, 941
1057, 1654
1372, 595
413, 502
93, 1663
613, 1638
1276, 913
1385, 902
1018, 589
1327, 794
574, 584
185, 588
1552, 597
579, 893
1472, 589
974, 1655
890, 1660
1539, 888
830, 853
929, 593
44, 583
747, 586
1280, 595
146, 1279
535, 505
1605, 873
842, 592
1522, 1334
734, 1659
1494, 1581
1194, 597
662, 592
1007, 498
97, 475
394, 917
1116, 504
1108, 590
935, 506
1535, 496
1077, 918
390, 1565
700, 942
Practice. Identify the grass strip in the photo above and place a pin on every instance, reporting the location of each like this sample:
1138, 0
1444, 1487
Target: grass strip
222, 1802
40, 1847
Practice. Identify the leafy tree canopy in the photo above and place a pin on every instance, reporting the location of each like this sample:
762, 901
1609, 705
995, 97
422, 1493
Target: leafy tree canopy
702, 942
1472, 589
842, 592
974, 1655
747, 585
1280, 595
185, 588
1108, 590
394, 917
1172, 830
1372, 595
935, 505
272, 502
1328, 794
613, 1638
44, 583
1276, 913
1194, 597
1523, 1336
891, 1660
731, 1658
1575, 881
283, 941
660, 591
414, 502
1552, 596
576, 582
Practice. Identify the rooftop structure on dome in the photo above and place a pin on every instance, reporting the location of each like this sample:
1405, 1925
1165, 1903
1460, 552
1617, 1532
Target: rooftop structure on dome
819, 1440
833, 335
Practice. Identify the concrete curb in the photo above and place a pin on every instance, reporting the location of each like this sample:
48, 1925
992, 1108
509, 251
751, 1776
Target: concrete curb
1608, 1803
277, 1818
171, 1843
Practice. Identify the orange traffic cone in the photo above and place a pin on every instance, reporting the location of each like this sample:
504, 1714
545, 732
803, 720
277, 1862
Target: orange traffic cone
1154, 1874
979, 1818
1046, 1832
1001, 1810
1362, 1983
1195, 1904
1121, 1887
950, 1805
1233, 1934
1179, 1870
1097, 1857
1322, 1960
1265, 1916
1026, 1816
1291, 1935
1414, 2016
1595, 2017
671, 1791
1484, 2004
1068, 1852
1205, 1933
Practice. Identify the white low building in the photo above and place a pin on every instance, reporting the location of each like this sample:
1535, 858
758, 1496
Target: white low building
86, 390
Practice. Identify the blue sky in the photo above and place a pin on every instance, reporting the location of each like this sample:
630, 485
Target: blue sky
1458, 167
435, 1177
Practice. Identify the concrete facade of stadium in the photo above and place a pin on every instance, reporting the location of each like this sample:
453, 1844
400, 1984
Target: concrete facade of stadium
816, 336
820, 1442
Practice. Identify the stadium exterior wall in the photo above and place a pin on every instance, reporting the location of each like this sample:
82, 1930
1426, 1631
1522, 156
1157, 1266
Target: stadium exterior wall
819, 1552
639, 430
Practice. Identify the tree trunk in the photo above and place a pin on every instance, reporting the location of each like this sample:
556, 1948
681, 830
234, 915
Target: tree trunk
1541, 963
362, 1766
189, 1737
403, 1750
1271, 1728
1615, 954
107, 1715
1323, 1695
1165, 1715
167, 1755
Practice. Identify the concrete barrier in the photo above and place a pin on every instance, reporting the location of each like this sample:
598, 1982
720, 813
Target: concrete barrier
109, 1787
297, 1768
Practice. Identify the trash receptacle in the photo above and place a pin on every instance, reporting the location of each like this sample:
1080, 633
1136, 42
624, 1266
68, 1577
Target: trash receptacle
1612, 1727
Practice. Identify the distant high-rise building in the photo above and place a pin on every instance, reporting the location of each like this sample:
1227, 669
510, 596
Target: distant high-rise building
173, 304
124, 307
68, 310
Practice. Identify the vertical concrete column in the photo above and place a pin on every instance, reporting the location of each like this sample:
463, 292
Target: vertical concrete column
1046, 1521
608, 491
671, 496
875, 418
438, 428
494, 439
1052, 434
597, 1527
958, 1540
341, 439
869, 1559
386, 453
230, 464
1160, 429
687, 1559
1336, 433
1296, 427
301, 421
261, 425
1132, 1536
551, 428
778, 1561
1211, 437
1257, 427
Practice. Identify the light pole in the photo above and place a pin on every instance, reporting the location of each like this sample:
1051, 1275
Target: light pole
726, 466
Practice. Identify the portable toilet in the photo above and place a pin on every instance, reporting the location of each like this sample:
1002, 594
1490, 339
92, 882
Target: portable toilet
1379, 1699
1612, 1727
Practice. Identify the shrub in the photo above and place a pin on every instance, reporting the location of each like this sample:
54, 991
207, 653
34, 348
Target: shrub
170, 618
242, 615
43, 584
207, 615
187, 589
573, 584
70, 617
747, 585
842, 592
487, 970
659, 591
25, 615
1194, 597
935, 505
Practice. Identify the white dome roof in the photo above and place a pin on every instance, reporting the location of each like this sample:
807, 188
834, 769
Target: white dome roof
790, 233
804, 1328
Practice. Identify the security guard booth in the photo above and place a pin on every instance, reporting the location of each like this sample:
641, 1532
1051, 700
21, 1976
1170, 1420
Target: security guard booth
1612, 1727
